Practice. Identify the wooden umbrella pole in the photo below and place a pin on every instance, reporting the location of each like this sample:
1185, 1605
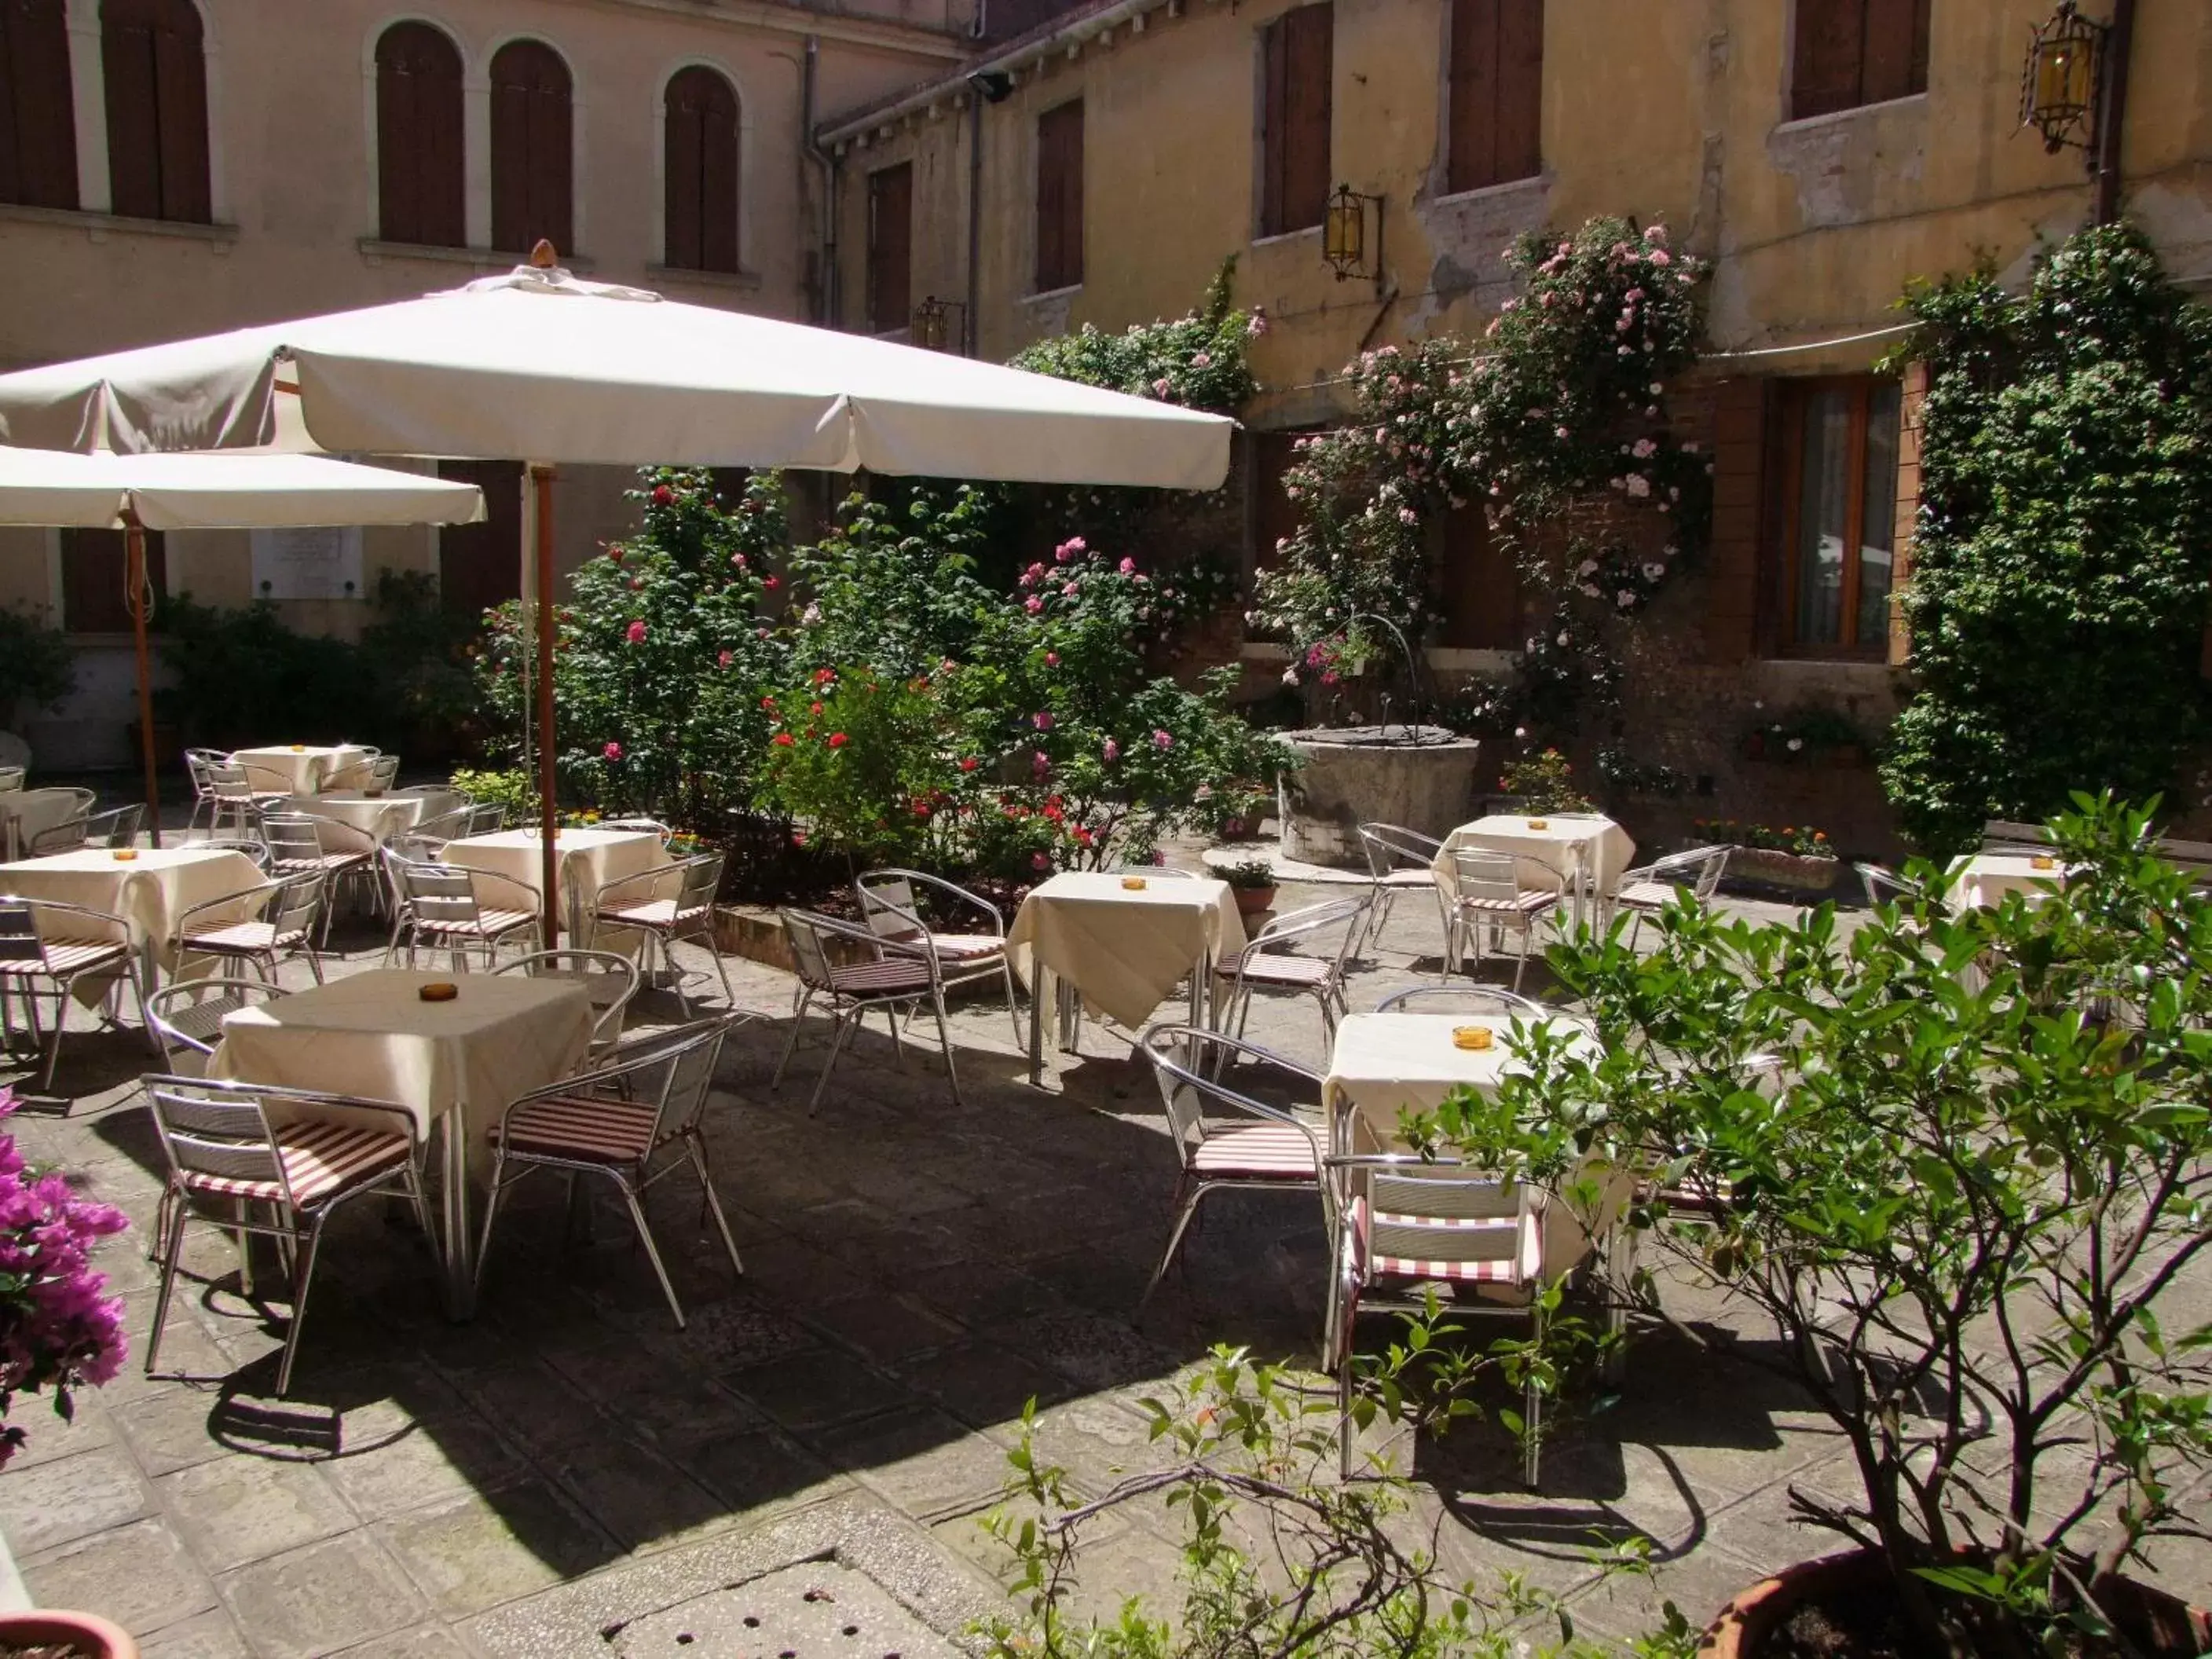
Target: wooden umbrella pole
550, 870
137, 599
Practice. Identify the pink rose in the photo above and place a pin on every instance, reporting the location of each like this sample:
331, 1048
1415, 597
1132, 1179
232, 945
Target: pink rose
1113, 751
1127, 567
1051, 660
1041, 720
1033, 605
1162, 740
725, 659
613, 751
637, 632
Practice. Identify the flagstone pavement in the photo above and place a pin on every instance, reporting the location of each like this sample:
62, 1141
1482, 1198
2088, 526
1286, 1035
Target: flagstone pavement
556, 1476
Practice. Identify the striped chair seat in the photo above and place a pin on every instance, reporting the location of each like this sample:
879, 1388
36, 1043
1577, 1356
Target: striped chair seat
1262, 1151
1646, 894
321, 1160
1525, 902
654, 912
331, 863
65, 956
244, 936
1277, 968
583, 1127
1409, 878
485, 922
967, 947
885, 978
1497, 1249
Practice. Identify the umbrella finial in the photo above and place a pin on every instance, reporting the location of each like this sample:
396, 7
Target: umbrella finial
542, 257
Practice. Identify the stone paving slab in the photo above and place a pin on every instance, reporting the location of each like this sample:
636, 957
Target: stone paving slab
916, 1271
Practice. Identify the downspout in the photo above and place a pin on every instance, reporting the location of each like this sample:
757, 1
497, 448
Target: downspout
2112, 109
968, 330
826, 306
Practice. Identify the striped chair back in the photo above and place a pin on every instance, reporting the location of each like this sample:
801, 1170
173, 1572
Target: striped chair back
1187, 1063
1389, 847
1448, 1219
19, 933
292, 839
438, 893
702, 879
671, 1071
187, 1017
230, 783
293, 908
449, 826
486, 818
1485, 876
810, 957
216, 1135
888, 901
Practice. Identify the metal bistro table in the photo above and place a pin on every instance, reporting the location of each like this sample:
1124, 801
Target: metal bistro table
454, 1064
1121, 942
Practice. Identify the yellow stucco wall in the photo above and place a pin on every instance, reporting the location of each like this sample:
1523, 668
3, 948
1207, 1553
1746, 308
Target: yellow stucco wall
1663, 109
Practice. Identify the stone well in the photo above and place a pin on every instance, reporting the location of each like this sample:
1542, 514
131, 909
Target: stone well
1420, 777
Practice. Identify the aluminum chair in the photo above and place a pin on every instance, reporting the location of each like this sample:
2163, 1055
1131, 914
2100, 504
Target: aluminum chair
1883, 885
70, 830
1223, 1138
372, 774
294, 1155
438, 907
1399, 859
298, 843
1403, 1223
447, 826
486, 818
186, 1018
617, 1123
238, 799
46, 939
894, 910
117, 827
893, 974
1649, 888
641, 825
1475, 999
1490, 895
251, 847
610, 978
437, 798
198, 762
1268, 964
272, 922
686, 913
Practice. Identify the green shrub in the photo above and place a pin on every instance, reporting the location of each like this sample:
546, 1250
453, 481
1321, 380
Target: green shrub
37, 669
513, 788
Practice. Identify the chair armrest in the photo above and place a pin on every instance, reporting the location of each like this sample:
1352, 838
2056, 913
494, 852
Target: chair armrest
106, 917
916, 951
247, 902
953, 891
525, 894
659, 873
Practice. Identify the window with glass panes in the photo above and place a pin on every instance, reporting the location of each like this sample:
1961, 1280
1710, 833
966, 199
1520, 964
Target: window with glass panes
1838, 520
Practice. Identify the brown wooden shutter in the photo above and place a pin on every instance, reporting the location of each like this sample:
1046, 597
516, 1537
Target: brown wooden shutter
1735, 610
890, 248
38, 107
156, 95
1479, 586
421, 192
532, 153
1828, 67
1310, 44
1274, 106
701, 193
1059, 197
1473, 161
480, 565
1896, 52
1520, 89
94, 563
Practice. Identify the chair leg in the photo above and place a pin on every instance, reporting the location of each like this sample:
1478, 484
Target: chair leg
652, 1251
169, 1262
944, 1037
1013, 1008
1187, 1197
721, 969
498, 1190
791, 1043
61, 1020
846, 1019
1344, 1425
300, 1283
697, 1148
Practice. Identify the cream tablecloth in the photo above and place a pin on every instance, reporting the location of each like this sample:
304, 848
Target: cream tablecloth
1124, 949
25, 813
1384, 1065
298, 771
149, 892
589, 860
377, 817
1984, 879
1582, 848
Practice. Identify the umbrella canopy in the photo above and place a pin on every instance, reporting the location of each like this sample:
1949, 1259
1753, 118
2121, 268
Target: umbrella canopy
539, 366
220, 492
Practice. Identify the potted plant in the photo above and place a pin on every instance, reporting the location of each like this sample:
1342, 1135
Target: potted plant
1796, 857
1252, 882
58, 1333
1959, 1206
1544, 782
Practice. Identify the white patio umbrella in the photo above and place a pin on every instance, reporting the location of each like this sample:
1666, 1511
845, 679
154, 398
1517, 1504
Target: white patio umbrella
137, 493
539, 366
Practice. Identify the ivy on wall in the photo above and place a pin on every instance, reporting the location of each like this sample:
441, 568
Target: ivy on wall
1562, 405
2062, 560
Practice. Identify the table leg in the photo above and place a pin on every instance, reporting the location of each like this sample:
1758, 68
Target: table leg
1041, 985
453, 1214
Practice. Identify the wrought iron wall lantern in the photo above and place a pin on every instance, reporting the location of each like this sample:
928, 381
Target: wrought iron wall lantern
1344, 235
940, 325
2060, 85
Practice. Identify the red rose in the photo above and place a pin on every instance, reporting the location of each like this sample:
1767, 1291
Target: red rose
837, 739
662, 494
968, 764
768, 582
783, 739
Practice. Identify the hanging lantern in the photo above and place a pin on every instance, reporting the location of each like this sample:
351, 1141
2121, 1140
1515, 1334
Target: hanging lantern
1344, 233
939, 324
2058, 88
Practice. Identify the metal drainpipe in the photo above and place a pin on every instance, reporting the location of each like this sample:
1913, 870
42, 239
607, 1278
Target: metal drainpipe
826, 303
968, 330
2112, 111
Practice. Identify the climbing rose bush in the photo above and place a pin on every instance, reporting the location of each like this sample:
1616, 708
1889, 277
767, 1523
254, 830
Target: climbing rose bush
58, 1330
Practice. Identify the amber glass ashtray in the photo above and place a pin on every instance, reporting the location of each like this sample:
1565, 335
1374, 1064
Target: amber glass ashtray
1476, 1038
124, 854
2043, 861
299, 748
1134, 883
440, 990
1539, 823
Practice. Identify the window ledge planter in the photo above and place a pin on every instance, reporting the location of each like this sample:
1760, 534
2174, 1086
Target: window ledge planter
2159, 1625
1769, 867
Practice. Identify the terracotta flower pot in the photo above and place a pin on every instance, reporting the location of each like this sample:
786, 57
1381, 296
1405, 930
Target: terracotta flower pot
1774, 868
2157, 1623
94, 1635
1253, 900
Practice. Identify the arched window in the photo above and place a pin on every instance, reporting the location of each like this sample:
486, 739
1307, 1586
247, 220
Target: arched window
421, 195
531, 157
152, 60
37, 115
702, 141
